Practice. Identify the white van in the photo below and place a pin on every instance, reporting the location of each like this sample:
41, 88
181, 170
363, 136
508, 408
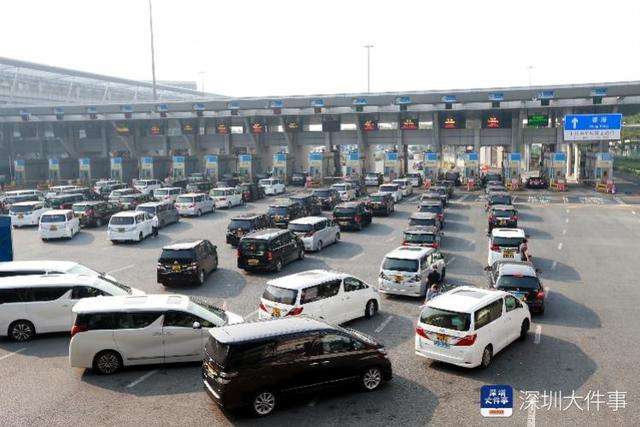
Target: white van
404, 271
26, 213
335, 297
167, 193
195, 204
226, 197
346, 191
132, 226
405, 185
393, 189
147, 186
31, 305
316, 232
112, 332
57, 224
467, 326
272, 186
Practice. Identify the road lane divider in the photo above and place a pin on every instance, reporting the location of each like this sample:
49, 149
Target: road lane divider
142, 378
384, 324
560, 246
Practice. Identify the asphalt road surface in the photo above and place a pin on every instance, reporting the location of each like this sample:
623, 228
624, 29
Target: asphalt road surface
585, 244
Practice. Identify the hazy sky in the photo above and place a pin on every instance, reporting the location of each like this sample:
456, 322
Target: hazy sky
257, 48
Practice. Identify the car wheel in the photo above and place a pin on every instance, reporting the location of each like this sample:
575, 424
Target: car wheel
199, 213
264, 403
301, 254
337, 237
370, 309
524, 330
487, 354
279, 265
21, 330
372, 379
140, 237
201, 278
319, 245
107, 362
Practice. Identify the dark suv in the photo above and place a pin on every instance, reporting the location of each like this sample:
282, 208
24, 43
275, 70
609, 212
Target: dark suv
284, 211
199, 187
187, 263
63, 201
251, 191
310, 203
382, 204
94, 213
256, 364
503, 216
245, 224
354, 215
269, 249
328, 197
299, 179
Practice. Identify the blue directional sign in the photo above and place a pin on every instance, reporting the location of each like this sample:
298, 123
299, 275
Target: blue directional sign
449, 98
515, 157
496, 96
403, 100
317, 103
592, 127
360, 102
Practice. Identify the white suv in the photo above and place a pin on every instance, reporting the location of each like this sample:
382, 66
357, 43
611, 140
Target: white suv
334, 297
316, 232
133, 226
226, 197
404, 270
505, 244
467, 326
393, 189
346, 191
194, 204
405, 185
167, 193
112, 332
26, 213
272, 186
40, 304
58, 224
147, 186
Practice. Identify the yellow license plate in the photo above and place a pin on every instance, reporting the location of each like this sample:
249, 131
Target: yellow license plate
53, 228
275, 312
253, 262
175, 268
20, 216
441, 337
239, 233
398, 279
508, 254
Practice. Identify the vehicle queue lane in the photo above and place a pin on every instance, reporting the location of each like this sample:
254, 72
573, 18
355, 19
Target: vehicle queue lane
571, 354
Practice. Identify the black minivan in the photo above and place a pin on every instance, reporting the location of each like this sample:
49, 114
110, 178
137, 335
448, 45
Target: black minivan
352, 215
269, 249
257, 364
245, 224
187, 263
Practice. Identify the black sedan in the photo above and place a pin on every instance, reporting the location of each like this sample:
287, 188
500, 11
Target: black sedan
536, 182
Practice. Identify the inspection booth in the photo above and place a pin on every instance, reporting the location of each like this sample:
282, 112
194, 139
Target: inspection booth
155, 167
64, 169
30, 171
93, 168
124, 169
283, 166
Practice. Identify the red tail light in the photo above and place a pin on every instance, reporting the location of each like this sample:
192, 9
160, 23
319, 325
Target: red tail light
78, 328
192, 206
514, 218
404, 243
262, 307
270, 256
239, 253
495, 248
91, 212
295, 311
434, 245
492, 217
540, 295
467, 341
421, 332
440, 217
357, 218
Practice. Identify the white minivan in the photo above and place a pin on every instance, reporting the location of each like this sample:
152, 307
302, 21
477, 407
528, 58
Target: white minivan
133, 226
195, 204
226, 197
112, 332
405, 185
167, 193
405, 270
26, 213
393, 189
58, 224
31, 305
147, 186
334, 297
272, 186
346, 191
467, 326
316, 232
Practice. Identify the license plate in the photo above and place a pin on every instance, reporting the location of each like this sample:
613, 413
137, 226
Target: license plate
343, 222
175, 268
502, 221
239, 233
520, 295
508, 254
53, 228
253, 262
120, 230
398, 279
20, 216
441, 341
275, 312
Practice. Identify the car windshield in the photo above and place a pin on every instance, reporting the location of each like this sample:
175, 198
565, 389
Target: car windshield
509, 242
301, 228
254, 247
151, 210
397, 264
378, 198
419, 238
16, 199
278, 210
204, 309
129, 198
389, 188
240, 224
161, 192
80, 208
280, 295
422, 221
344, 211
518, 282
431, 208
504, 213
82, 270
171, 255
183, 199
266, 182
121, 220
53, 218
445, 319
21, 209
322, 193
340, 187
219, 192
500, 200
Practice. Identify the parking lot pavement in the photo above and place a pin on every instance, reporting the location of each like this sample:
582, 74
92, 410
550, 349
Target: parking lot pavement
585, 341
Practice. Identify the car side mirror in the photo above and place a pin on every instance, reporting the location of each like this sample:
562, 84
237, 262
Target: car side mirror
487, 268
197, 325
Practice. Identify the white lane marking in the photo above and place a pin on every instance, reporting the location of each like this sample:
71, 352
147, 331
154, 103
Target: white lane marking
554, 265
633, 212
12, 354
567, 209
536, 338
619, 200
566, 220
450, 260
565, 199
564, 231
383, 324
126, 267
531, 416
560, 246
142, 378
253, 313
465, 197
358, 256
471, 243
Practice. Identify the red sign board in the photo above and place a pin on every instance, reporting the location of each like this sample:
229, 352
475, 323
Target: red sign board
222, 129
409, 124
450, 123
493, 122
257, 127
369, 125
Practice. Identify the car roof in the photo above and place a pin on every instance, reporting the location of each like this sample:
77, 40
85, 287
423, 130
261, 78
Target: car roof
192, 194
499, 194
422, 215
349, 204
421, 229
507, 232
182, 245
502, 207
45, 265
465, 299
29, 203
63, 196
430, 202
308, 220
89, 202
157, 302
409, 252
523, 269
301, 196
37, 280
247, 216
127, 213
262, 329
306, 279
57, 212
265, 234
223, 188
169, 188
153, 204
283, 203
377, 193
388, 183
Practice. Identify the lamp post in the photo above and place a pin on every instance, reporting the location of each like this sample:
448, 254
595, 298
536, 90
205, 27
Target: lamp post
530, 70
368, 47
153, 55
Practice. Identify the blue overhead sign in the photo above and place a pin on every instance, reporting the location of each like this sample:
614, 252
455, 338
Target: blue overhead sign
546, 94
317, 103
592, 127
496, 96
360, 101
599, 91
449, 99
403, 100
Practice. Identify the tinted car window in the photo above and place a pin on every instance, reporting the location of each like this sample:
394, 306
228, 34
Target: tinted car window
445, 319
336, 343
136, 320
511, 282
423, 221
121, 220
170, 255
249, 354
511, 242
48, 294
96, 321
280, 295
487, 314
397, 264
419, 238
181, 319
53, 218
14, 295
293, 349
86, 292
242, 224
256, 247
